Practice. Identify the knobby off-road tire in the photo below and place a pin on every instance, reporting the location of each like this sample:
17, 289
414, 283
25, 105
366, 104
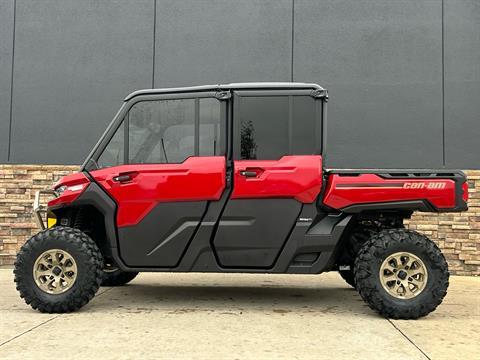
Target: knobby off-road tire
117, 277
86, 257
386, 244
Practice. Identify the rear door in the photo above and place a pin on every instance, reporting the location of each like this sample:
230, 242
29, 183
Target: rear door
162, 166
277, 168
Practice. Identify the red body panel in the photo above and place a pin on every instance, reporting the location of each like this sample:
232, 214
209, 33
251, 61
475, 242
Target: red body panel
75, 184
346, 190
298, 177
197, 178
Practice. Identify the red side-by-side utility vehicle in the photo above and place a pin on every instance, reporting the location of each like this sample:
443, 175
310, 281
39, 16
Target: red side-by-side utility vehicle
231, 178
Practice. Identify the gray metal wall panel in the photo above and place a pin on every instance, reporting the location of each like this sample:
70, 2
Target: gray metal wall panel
74, 63
462, 83
382, 63
205, 42
6, 48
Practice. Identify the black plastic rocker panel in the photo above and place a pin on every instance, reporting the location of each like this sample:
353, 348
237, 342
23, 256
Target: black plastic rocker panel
314, 244
309, 248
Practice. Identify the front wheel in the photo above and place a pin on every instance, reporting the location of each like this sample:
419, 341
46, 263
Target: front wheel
58, 270
401, 274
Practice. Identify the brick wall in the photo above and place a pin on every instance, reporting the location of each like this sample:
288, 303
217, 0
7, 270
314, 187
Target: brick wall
18, 184
457, 234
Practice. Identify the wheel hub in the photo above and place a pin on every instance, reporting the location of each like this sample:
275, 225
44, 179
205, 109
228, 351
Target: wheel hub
403, 275
55, 271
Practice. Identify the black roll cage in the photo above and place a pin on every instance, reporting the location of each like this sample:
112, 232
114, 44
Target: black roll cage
221, 92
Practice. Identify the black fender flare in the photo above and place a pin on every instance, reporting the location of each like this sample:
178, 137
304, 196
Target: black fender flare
95, 196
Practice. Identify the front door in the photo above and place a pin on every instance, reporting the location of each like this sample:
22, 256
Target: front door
277, 169
163, 165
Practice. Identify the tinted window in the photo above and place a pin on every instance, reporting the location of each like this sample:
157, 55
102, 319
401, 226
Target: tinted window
161, 131
305, 136
113, 154
167, 131
210, 127
274, 126
264, 127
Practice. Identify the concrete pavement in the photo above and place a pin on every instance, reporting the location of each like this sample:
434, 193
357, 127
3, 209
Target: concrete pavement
237, 316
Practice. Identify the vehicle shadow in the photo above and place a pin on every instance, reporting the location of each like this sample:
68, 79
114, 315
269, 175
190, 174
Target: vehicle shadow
142, 297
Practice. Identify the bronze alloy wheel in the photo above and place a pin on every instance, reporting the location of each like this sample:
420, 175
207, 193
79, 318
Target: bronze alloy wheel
403, 275
58, 270
55, 271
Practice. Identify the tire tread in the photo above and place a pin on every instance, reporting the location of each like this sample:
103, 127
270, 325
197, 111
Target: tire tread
366, 279
82, 292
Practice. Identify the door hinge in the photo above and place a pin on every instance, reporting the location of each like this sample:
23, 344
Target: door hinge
319, 93
223, 95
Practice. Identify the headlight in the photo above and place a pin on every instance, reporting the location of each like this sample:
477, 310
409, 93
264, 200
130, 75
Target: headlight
74, 188
59, 191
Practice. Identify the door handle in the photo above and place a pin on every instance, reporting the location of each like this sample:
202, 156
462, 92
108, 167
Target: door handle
122, 178
248, 173
125, 177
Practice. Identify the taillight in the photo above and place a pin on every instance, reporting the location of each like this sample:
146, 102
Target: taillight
465, 191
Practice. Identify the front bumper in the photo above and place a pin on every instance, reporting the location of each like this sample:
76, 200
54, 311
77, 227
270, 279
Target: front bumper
39, 209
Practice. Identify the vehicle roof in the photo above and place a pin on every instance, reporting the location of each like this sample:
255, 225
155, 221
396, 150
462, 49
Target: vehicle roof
231, 86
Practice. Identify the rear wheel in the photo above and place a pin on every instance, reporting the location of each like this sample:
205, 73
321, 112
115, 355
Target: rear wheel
58, 270
113, 276
401, 274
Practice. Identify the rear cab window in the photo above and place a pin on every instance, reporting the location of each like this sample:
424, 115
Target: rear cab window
269, 125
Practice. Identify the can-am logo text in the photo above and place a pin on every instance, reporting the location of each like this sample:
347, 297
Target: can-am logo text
425, 185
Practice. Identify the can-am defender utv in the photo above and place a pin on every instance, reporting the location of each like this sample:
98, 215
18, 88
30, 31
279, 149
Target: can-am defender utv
229, 178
